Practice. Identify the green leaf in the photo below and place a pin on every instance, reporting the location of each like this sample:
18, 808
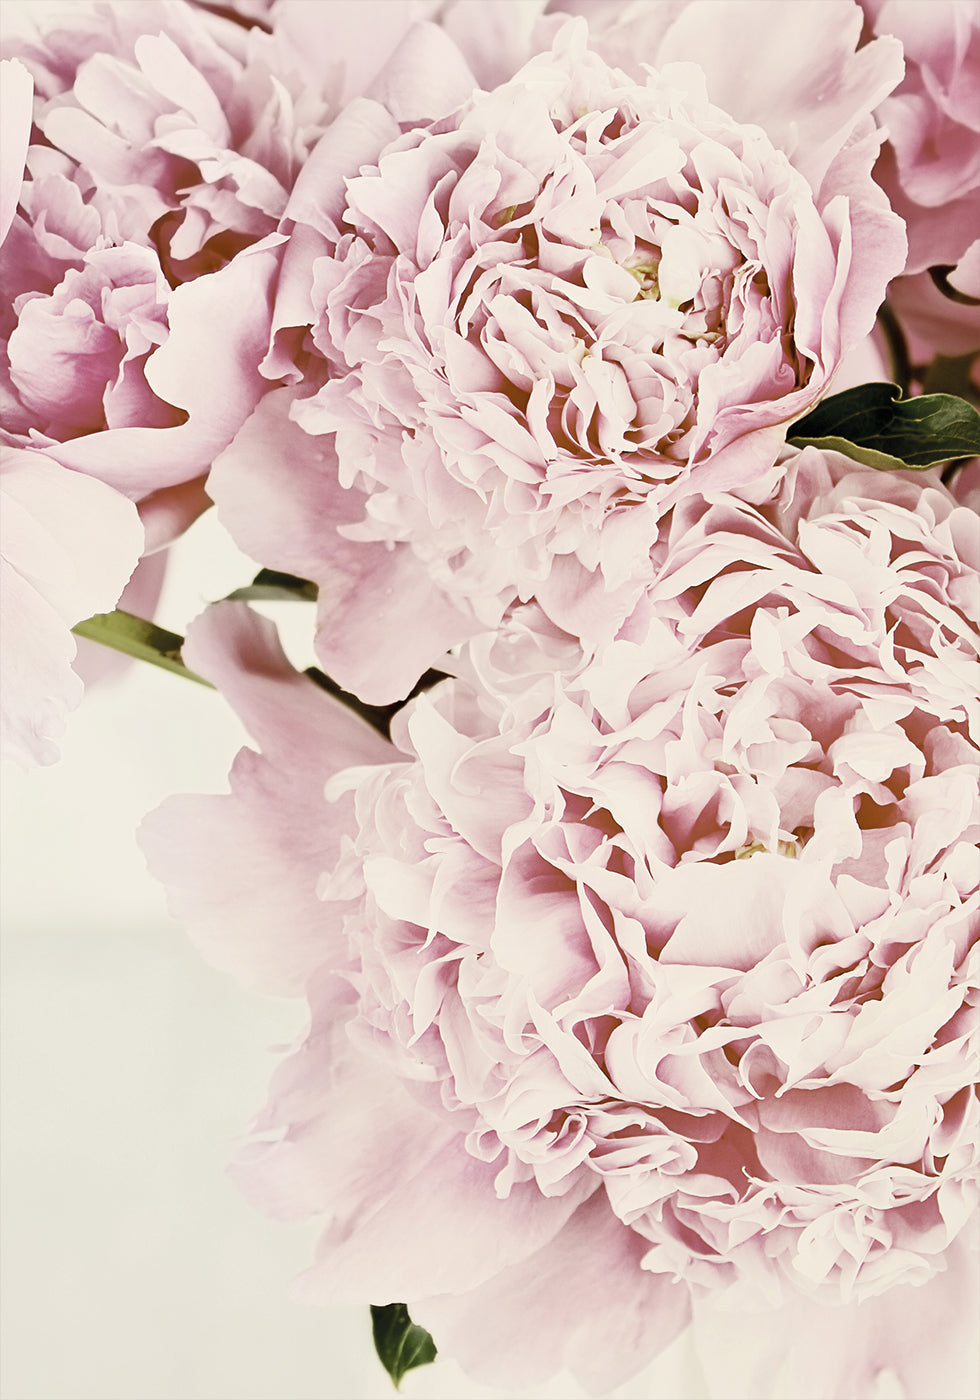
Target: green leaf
400, 1344
873, 424
270, 586
136, 637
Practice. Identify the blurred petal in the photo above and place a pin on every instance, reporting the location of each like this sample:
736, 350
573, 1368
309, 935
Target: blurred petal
16, 100
68, 545
582, 1302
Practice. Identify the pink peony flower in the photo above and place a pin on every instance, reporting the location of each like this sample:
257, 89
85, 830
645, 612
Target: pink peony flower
141, 260
77, 356
105, 371
930, 169
52, 574
551, 314
931, 164
176, 127
654, 962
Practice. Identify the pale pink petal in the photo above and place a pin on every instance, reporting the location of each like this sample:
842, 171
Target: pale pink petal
381, 621
16, 94
925, 1338
208, 367
442, 1228
96, 663
331, 35
68, 546
167, 513
425, 78
244, 884
932, 322
811, 86
582, 1302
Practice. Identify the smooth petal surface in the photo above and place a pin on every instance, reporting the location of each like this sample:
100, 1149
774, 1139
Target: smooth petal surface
812, 87
546, 1308
16, 93
805, 1351
68, 547
241, 869
443, 1229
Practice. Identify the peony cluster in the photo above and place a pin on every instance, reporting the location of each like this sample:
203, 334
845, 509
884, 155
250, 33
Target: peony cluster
676, 938
638, 927
149, 152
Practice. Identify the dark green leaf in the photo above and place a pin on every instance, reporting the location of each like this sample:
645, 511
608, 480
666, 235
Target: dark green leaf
873, 424
400, 1344
138, 638
271, 586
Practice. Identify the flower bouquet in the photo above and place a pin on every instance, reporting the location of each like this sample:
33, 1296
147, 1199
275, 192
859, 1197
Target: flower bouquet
597, 380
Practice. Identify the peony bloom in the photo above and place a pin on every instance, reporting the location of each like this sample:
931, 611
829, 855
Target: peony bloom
119, 378
140, 261
178, 128
53, 573
930, 170
554, 312
654, 961
931, 164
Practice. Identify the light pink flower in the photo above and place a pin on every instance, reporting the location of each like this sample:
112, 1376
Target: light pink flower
553, 313
106, 370
412, 1212
67, 546
177, 127
930, 169
931, 163
141, 261
675, 937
